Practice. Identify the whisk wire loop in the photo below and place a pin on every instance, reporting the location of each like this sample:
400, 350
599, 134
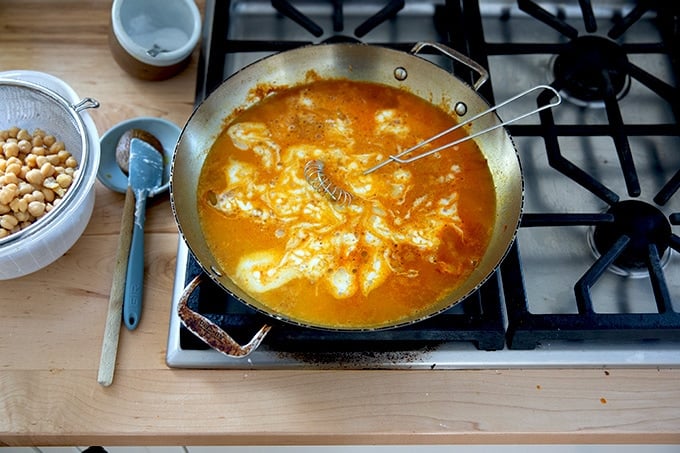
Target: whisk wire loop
317, 178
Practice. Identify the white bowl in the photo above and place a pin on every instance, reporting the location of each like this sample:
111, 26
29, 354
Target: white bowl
52, 235
138, 25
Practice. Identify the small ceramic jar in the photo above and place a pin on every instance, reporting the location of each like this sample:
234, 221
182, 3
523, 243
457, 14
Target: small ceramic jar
154, 39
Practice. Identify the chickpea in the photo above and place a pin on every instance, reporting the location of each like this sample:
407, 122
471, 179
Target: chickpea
7, 193
54, 159
13, 131
10, 149
25, 188
35, 176
13, 168
39, 151
56, 147
49, 194
63, 155
18, 205
13, 160
8, 221
64, 180
50, 183
22, 216
23, 134
36, 208
49, 140
71, 162
47, 169
9, 178
25, 146
38, 195
31, 161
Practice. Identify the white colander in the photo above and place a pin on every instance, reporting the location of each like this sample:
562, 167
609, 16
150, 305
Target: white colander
31, 106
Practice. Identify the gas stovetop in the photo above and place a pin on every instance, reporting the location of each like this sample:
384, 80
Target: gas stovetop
593, 278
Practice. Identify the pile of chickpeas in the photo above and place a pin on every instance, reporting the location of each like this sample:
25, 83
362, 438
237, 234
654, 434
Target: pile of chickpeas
35, 172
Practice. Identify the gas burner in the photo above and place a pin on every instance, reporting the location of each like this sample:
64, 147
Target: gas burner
592, 68
644, 225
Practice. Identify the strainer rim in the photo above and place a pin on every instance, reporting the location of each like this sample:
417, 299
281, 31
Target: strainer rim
86, 161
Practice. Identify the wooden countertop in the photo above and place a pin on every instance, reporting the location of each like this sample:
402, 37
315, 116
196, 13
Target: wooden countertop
53, 321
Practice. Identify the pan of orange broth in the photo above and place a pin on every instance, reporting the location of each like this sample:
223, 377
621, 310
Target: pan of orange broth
416, 238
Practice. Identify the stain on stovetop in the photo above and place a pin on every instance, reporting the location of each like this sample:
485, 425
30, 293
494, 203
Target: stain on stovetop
360, 359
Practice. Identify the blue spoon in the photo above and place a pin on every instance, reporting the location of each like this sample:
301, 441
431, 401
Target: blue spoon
145, 174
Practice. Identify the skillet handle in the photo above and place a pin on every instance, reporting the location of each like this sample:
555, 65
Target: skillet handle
210, 332
455, 55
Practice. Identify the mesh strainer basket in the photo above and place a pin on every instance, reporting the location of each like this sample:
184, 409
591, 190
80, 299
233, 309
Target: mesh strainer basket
30, 106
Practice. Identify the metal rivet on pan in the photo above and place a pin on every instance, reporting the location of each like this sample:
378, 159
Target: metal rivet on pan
400, 73
461, 108
216, 271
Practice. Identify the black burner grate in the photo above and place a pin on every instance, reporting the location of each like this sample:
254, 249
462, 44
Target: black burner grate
630, 240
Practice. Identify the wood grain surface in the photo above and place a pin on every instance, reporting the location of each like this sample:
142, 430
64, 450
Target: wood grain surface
52, 323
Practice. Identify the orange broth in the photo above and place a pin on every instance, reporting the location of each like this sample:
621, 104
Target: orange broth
411, 235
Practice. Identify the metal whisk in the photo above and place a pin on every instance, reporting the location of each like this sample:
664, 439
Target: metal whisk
314, 169
398, 157
315, 176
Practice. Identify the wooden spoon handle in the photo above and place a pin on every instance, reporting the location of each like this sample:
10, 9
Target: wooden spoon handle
107, 361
